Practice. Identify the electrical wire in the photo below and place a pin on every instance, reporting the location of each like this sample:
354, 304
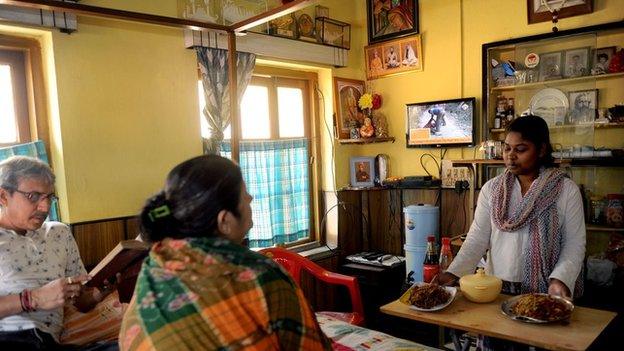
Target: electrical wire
434, 160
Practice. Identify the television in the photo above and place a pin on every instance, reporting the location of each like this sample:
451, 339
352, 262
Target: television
442, 123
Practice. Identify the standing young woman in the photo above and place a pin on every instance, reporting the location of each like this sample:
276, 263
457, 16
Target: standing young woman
200, 289
529, 219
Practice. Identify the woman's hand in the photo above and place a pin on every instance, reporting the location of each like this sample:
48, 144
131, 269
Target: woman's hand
55, 293
556, 287
445, 279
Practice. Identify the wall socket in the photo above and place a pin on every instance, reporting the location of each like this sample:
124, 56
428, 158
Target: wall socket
451, 175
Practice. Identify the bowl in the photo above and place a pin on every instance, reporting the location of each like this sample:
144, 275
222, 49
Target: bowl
480, 287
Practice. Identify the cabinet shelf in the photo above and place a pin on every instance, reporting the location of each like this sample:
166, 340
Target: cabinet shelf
572, 126
366, 140
603, 228
558, 82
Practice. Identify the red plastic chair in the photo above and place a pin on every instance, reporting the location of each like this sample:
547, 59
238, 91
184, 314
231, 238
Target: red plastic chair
293, 263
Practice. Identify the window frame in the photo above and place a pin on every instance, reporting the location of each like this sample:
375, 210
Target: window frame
36, 93
274, 78
15, 59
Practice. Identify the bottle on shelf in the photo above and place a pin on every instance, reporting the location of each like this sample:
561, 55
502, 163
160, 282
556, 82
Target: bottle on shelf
446, 255
431, 264
497, 121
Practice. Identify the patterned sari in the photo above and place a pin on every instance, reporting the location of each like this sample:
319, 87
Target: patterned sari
211, 294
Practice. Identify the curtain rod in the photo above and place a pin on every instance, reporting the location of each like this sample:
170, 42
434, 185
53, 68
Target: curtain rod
98, 11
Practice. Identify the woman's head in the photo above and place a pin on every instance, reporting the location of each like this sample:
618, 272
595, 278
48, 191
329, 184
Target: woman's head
527, 145
203, 196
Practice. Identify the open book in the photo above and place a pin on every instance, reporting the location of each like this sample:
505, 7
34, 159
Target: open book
126, 258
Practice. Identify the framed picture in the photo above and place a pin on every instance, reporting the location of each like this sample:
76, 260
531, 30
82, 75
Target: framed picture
362, 172
550, 66
541, 11
389, 19
583, 106
347, 92
576, 62
602, 60
395, 56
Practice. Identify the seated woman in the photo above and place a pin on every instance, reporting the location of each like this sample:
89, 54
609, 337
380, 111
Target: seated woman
200, 288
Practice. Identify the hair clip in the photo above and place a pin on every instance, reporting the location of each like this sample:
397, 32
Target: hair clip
159, 212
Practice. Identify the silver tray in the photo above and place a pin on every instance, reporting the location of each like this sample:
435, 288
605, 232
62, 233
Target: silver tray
506, 308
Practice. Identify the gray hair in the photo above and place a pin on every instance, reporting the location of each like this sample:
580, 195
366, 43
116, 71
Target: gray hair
17, 168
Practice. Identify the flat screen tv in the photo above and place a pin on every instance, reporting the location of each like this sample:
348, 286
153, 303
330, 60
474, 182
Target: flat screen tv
442, 123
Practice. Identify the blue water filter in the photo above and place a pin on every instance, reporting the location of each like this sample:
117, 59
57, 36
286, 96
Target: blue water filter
420, 221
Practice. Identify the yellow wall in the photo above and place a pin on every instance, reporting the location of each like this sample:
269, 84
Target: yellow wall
453, 32
127, 111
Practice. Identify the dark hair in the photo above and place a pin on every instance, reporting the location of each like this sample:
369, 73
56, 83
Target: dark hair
534, 129
603, 55
195, 192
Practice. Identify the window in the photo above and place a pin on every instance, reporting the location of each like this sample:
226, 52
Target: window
275, 153
14, 121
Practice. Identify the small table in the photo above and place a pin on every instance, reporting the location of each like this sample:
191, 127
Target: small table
583, 328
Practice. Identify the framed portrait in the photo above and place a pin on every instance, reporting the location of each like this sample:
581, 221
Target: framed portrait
576, 62
347, 92
540, 10
550, 66
602, 59
362, 172
395, 56
583, 106
389, 19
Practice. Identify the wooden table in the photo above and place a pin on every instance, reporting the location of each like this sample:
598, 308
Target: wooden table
584, 326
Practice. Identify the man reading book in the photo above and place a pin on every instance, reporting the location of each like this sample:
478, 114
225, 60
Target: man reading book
40, 266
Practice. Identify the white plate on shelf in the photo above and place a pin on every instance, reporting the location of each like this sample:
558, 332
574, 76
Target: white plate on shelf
450, 289
551, 104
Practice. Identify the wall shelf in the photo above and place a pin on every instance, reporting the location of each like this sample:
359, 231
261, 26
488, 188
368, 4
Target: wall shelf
557, 82
366, 140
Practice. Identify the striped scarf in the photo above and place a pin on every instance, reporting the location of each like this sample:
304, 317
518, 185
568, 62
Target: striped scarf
538, 210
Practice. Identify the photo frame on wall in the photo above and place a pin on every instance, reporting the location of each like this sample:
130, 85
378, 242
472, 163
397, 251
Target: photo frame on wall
389, 19
347, 92
395, 56
362, 172
538, 12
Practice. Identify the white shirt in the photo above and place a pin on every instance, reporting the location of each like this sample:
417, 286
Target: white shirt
506, 255
32, 260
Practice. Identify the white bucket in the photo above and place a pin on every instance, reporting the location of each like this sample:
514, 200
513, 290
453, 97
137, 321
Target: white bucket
420, 222
414, 257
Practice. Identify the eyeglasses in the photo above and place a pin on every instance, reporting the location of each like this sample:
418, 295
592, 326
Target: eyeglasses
35, 196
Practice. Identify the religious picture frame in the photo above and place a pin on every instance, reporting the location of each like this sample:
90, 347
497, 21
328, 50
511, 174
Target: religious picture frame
540, 10
390, 19
347, 92
394, 56
362, 171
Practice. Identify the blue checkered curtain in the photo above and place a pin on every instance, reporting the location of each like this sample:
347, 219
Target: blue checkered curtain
277, 176
35, 149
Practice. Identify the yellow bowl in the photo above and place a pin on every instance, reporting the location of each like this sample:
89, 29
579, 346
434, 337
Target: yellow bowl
480, 287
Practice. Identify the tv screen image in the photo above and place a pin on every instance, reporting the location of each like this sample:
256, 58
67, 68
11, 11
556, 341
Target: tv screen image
441, 123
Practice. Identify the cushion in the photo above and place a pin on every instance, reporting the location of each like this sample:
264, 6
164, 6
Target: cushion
102, 323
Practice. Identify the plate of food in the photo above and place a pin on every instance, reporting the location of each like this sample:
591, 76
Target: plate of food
537, 308
428, 297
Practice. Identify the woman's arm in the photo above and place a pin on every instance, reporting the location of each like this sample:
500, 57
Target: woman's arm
10, 305
572, 253
478, 240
